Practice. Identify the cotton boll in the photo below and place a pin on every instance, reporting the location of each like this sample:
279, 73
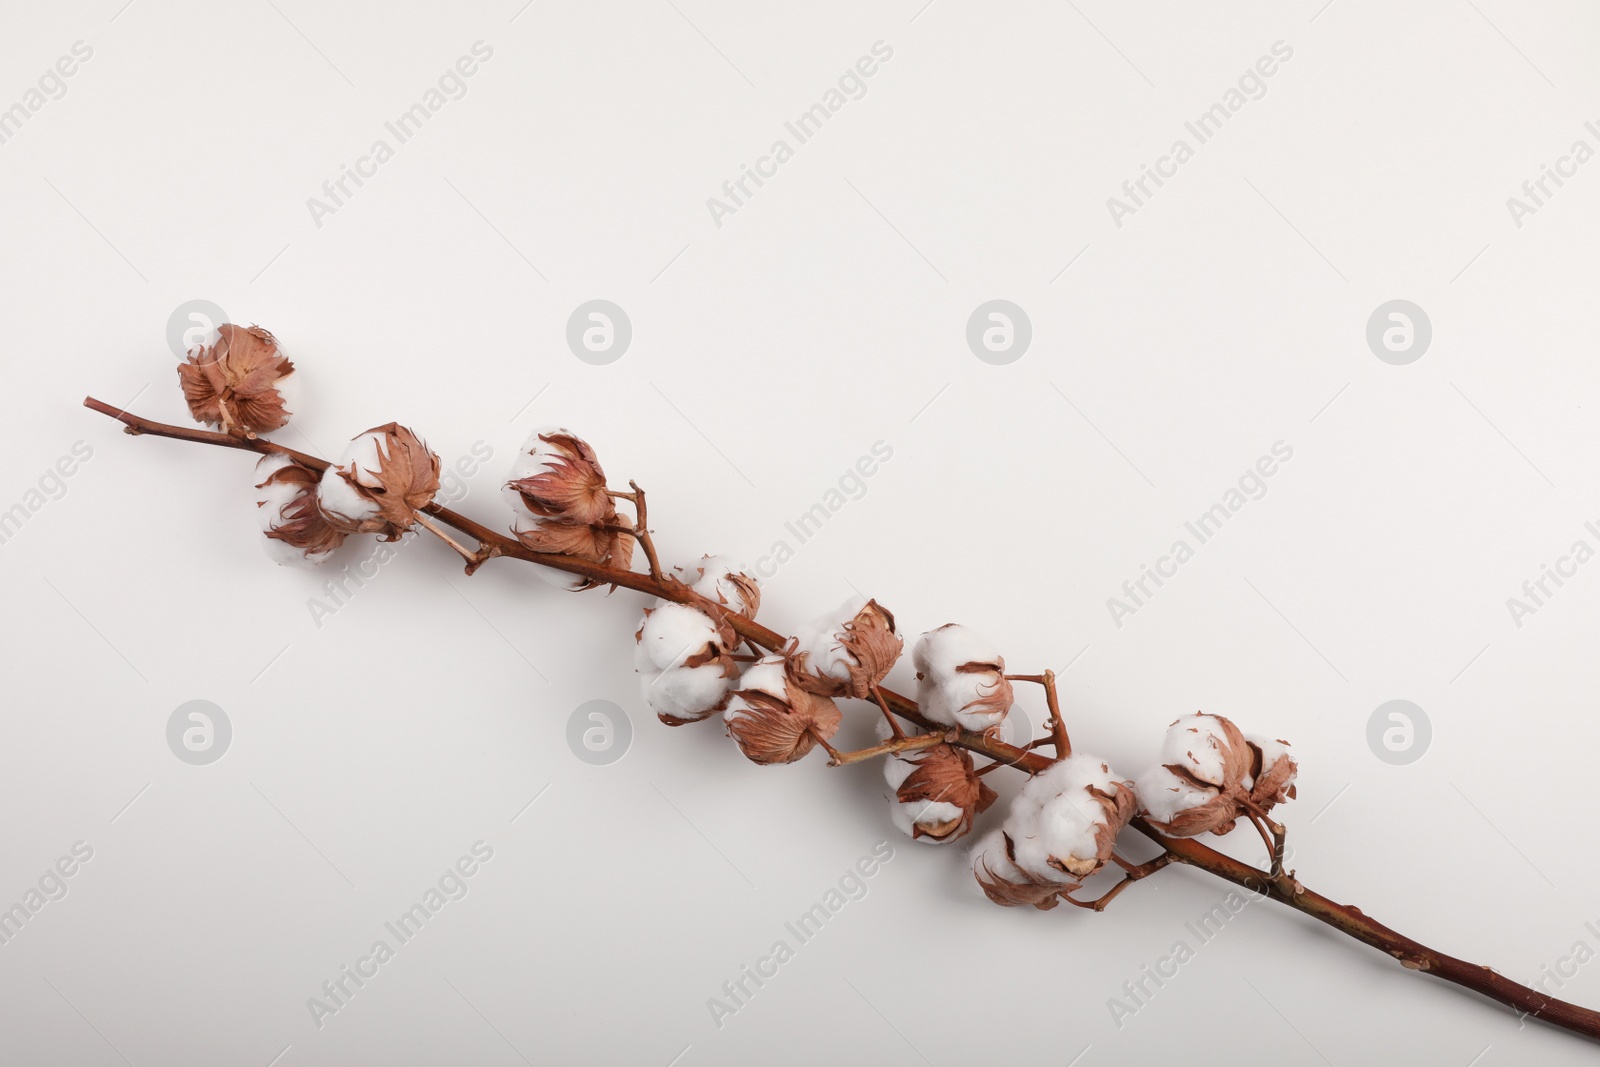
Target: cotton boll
934, 793
961, 679
671, 633
1065, 806
233, 383
271, 498
559, 504
294, 529
682, 656
1201, 781
686, 693
848, 651
772, 719
1065, 820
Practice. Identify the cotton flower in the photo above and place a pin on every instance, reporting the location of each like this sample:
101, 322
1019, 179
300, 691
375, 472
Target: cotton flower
296, 530
720, 582
559, 503
1210, 774
846, 652
384, 478
936, 793
684, 662
1062, 828
236, 384
961, 679
775, 721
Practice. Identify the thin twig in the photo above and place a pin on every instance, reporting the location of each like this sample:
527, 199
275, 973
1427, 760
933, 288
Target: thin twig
903, 744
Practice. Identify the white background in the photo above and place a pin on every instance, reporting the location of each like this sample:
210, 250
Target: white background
769, 354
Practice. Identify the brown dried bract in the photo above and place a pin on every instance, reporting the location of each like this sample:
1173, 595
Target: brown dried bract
578, 516
304, 526
1024, 888
573, 489
873, 647
407, 477
234, 383
782, 730
944, 774
1274, 782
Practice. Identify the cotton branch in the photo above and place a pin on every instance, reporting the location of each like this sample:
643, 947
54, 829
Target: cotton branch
1276, 884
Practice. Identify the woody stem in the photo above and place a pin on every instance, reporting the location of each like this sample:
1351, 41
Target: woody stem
894, 725
641, 527
429, 525
1057, 725
904, 744
1136, 871
1288, 891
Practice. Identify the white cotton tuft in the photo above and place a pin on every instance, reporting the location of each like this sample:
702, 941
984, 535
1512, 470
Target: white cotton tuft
1164, 795
905, 818
686, 692
938, 653
767, 675
988, 859
363, 458
1198, 743
819, 640
670, 634
712, 579
1272, 749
